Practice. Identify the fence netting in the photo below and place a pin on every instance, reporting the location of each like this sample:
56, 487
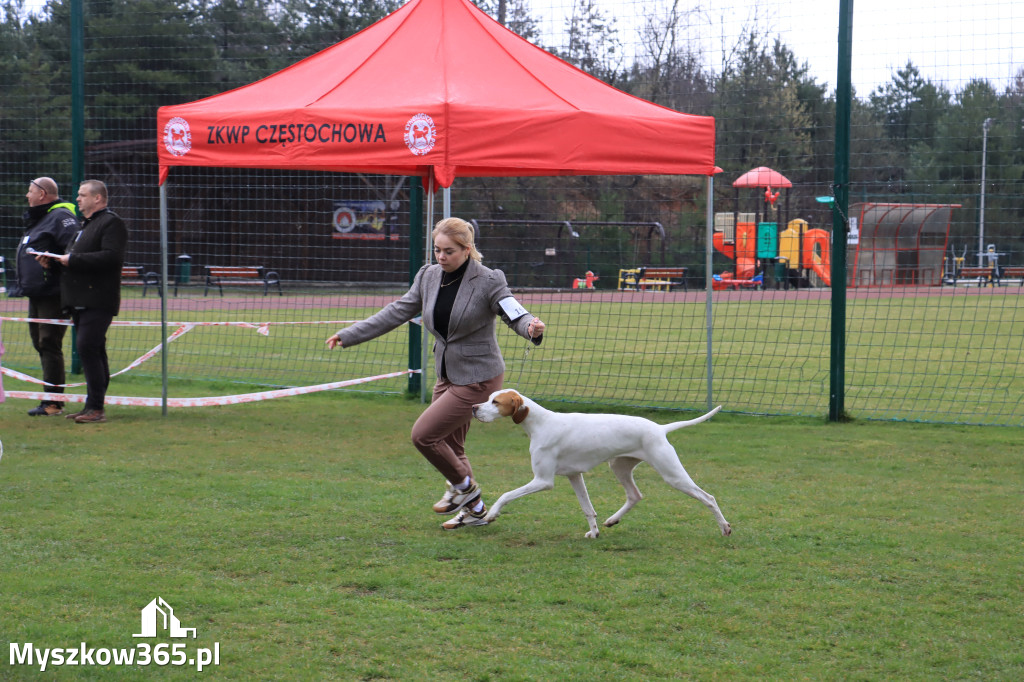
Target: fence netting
615, 265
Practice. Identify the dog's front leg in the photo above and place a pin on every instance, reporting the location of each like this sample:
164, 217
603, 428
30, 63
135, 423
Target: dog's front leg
535, 486
588, 509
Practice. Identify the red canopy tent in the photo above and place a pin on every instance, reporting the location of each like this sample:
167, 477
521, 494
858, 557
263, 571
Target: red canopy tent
437, 88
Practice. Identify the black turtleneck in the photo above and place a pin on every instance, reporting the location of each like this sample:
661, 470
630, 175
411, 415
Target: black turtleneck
450, 283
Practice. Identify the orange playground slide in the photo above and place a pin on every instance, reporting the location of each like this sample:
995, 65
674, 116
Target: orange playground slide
743, 250
817, 254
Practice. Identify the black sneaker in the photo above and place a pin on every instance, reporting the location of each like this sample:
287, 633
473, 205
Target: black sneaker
46, 410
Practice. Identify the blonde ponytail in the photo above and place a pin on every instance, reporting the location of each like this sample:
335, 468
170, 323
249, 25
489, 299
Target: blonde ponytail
460, 232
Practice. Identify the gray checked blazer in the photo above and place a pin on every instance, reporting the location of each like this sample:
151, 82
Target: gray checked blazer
471, 350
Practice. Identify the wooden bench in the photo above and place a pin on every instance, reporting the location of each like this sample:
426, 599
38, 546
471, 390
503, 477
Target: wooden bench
132, 275
984, 274
634, 279
241, 275
1012, 272
662, 278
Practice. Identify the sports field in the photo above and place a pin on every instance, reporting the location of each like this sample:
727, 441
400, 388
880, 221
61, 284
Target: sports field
934, 354
296, 537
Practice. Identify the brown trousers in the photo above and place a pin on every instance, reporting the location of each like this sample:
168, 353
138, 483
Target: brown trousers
440, 432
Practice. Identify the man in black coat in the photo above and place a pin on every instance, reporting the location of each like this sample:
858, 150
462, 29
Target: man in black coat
49, 225
90, 287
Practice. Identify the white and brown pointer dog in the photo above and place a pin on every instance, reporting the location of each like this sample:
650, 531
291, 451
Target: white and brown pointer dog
571, 444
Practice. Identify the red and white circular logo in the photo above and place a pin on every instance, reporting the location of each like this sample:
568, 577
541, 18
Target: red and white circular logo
420, 134
344, 219
177, 136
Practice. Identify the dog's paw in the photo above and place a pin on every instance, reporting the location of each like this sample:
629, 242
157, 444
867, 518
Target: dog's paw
610, 521
727, 530
490, 517
592, 534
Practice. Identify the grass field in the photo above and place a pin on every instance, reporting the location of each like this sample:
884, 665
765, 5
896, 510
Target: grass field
297, 536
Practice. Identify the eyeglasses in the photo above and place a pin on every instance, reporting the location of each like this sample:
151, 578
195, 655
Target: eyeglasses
33, 182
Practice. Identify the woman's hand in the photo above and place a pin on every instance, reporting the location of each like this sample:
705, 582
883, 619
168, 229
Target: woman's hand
536, 328
333, 342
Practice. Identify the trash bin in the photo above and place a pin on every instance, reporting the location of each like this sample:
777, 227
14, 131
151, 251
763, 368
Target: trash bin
184, 269
781, 275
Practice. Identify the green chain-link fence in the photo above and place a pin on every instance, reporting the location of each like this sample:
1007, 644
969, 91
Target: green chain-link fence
938, 103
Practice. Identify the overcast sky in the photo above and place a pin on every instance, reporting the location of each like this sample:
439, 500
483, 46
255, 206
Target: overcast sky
948, 40
951, 41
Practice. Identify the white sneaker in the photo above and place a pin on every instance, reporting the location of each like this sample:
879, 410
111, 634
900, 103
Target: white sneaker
444, 505
460, 498
466, 517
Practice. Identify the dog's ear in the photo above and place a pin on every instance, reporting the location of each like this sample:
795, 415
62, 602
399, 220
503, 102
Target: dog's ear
519, 409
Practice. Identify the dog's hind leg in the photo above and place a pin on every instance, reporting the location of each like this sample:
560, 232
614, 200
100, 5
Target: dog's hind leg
623, 467
588, 509
666, 462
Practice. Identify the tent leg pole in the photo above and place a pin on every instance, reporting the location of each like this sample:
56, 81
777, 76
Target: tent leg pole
708, 279
428, 250
163, 298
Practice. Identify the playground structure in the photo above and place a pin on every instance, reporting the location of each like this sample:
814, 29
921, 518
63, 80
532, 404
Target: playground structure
802, 252
751, 239
585, 282
888, 244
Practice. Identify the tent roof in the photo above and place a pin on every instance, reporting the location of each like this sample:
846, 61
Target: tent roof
435, 87
762, 176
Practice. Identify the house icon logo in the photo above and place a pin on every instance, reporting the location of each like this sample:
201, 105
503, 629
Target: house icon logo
158, 614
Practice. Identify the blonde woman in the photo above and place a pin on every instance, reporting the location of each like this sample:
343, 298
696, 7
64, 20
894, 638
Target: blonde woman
460, 300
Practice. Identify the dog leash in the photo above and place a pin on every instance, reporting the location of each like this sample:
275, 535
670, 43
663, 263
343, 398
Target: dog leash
526, 355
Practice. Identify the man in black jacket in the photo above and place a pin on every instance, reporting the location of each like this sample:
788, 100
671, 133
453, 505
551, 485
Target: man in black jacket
49, 226
90, 287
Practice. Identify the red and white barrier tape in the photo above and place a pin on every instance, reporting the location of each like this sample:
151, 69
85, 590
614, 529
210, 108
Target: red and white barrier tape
132, 365
213, 400
183, 328
261, 327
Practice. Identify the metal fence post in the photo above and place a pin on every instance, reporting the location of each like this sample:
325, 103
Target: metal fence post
840, 226
77, 126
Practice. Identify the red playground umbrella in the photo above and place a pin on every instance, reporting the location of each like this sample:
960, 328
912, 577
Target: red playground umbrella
762, 176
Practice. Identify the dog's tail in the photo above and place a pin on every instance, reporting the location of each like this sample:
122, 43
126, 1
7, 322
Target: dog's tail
668, 428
